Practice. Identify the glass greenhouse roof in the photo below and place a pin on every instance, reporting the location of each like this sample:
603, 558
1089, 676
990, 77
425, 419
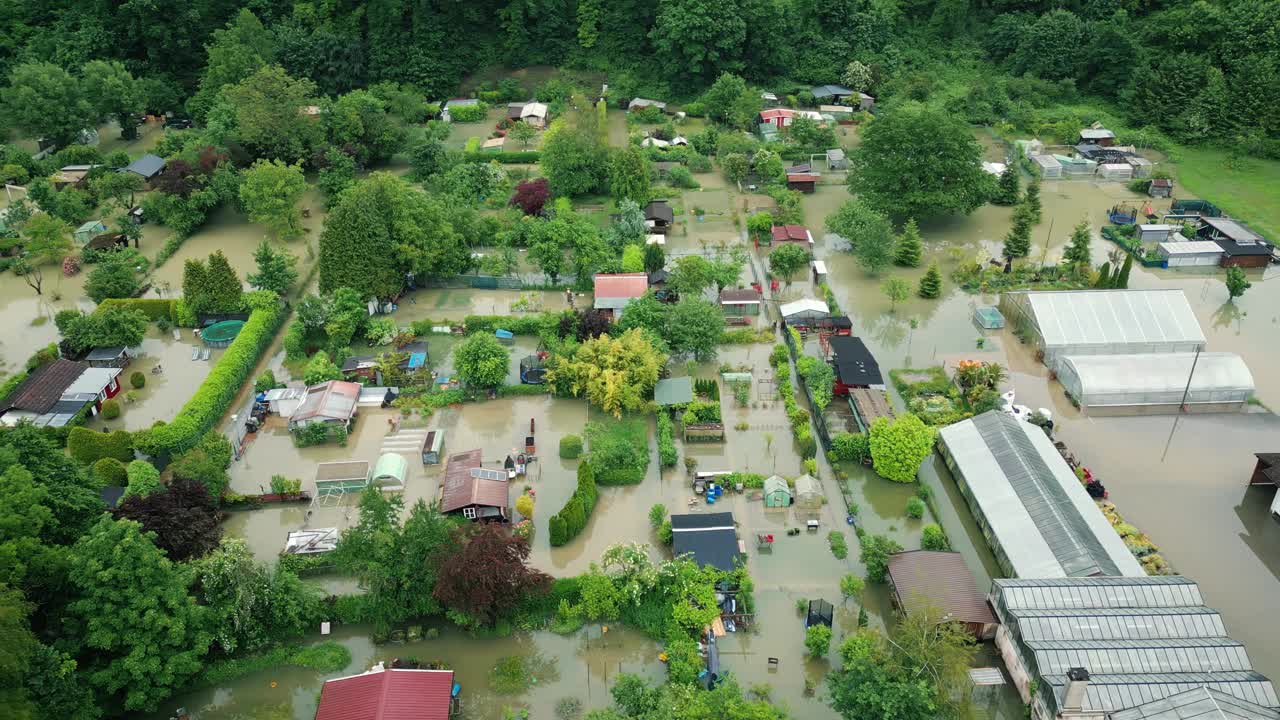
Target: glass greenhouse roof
1099, 592
1162, 655
1101, 317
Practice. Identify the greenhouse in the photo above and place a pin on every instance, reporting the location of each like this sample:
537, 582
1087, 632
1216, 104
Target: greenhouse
1103, 322
1156, 383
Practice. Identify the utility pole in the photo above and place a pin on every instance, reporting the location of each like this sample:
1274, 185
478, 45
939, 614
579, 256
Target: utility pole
1047, 239
1187, 390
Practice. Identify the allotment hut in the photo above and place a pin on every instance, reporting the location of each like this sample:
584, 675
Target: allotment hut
922, 579
777, 494
711, 538
1156, 383
1189, 253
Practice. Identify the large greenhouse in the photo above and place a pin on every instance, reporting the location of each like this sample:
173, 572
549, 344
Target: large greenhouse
1103, 322
1155, 383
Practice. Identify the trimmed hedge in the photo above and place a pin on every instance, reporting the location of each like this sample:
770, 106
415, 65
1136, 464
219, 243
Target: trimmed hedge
503, 391
666, 440
153, 308
526, 157
89, 447
218, 390
572, 518
570, 447
110, 472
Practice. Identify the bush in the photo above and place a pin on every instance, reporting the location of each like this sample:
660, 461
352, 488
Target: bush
469, 113
570, 447
934, 538
679, 176
154, 308
817, 640
667, 456
89, 447
266, 381
525, 157
850, 447
898, 447
524, 506
657, 515
839, 545
110, 409
109, 472
211, 400
137, 380
572, 518
915, 508
144, 479
876, 550
619, 451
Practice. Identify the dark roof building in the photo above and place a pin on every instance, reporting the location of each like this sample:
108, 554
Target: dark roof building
116, 356
39, 398
147, 167
831, 92
925, 578
710, 537
659, 211
388, 695
1241, 246
472, 491
854, 365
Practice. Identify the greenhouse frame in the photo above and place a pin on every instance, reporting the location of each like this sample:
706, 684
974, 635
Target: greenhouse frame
1156, 383
1103, 322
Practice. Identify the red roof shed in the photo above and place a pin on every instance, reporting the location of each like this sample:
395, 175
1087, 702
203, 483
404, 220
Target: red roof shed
388, 695
792, 233
621, 285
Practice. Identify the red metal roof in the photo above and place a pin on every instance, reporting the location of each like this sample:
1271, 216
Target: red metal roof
795, 233
926, 577
387, 695
622, 285
774, 113
803, 177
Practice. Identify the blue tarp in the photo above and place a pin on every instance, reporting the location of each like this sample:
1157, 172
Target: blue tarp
417, 360
503, 334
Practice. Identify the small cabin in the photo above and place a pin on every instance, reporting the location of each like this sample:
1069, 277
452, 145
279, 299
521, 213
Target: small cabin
1160, 188
89, 231
432, 446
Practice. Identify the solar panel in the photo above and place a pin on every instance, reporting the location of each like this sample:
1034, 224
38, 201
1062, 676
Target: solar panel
486, 474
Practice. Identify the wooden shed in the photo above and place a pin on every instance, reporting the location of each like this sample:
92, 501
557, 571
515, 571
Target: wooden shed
926, 578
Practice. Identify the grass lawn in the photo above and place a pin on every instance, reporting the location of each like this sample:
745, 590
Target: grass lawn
1247, 192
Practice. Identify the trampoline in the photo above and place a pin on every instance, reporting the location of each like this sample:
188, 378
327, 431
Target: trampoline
220, 335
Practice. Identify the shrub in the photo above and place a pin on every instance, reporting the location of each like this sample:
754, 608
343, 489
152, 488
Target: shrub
619, 451
570, 447
899, 446
572, 518
657, 515
934, 538
144, 479
679, 176
876, 550
110, 409
817, 640
154, 308
109, 472
281, 485
266, 381
524, 157
915, 508
839, 546
137, 380
524, 506
469, 113
850, 447
666, 441
211, 400
89, 447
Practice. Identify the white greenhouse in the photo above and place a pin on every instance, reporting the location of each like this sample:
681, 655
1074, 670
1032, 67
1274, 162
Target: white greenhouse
1188, 253
1103, 322
1155, 383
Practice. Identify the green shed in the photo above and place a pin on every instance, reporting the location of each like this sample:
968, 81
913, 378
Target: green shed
673, 391
390, 471
776, 492
89, 231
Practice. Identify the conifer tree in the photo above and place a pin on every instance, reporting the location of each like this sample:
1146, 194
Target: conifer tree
1077, 252
1121, 280
1017, 243
907, 252
931, 283
223, 284
1008, 190
1032, 200
1104, 277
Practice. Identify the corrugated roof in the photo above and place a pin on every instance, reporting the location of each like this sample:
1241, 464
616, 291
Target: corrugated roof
1094, 376
44, 386
459, 489
795, 233
923, 578
1191, 247
775, 483
1121, 692
1120, 623
1098, 592
148, 166
92, 381
331, 400
1044, 521
673, 391
804, 305
1158, 655
1114, 317
1202, 703
387, 695
1232, 229
621, 285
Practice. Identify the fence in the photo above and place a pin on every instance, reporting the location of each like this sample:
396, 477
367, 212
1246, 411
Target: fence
819, 422
484, 282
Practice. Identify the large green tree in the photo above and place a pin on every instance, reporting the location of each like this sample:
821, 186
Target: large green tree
629, 175
915, 161
276, 269
871, 684
237, 51
868, 231
694, 327
43, 100
359, 121
573, 159
143, 636
270, 193
695, 40
481, 361
114, 93
268, 112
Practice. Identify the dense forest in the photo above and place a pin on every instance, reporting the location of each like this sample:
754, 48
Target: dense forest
1192, 70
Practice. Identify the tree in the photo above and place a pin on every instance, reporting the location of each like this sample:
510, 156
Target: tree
931, 284
266, 107
731, 101
694, 327
118, 188
481, 361
1077, 253
768, 165
735, 166
867, 230
856, 76
919, 162
1032, 200
931, 647
144, 479
1008, 190
810, 137
691, 275
106, 327
114, 93
236, 52
45, 239
427, 159
206, 463
629, 174
1120, 280
1017, 243
224, 287
693, 40
320, 369
933, 537
785, 261
632, 259
338, 174
183, 517
869, 684
909, 248
145, 634
1104, 276
573, 159
615, 373
112, 278
276, 269
874, 553
1052, 47
531, 196
726, 270
1236, 282
629, 228
251, 604
899, 446
523, 133
760, 225
17, 645
896, 289
852, 586
817, 640
45, 101
270, 193
488, 575
358, 122
655, 258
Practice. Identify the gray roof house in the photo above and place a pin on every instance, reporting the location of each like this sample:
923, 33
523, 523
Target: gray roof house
822, 93
147, 167
1124, 648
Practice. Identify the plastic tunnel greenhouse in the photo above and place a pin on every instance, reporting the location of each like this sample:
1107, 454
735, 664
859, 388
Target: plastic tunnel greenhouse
1155, 383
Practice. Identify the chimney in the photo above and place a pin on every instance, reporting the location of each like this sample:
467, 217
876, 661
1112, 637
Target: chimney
1077, 686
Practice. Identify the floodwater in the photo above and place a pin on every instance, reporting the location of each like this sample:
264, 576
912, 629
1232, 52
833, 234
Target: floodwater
583, 665
26, 325
166, 392
457, 303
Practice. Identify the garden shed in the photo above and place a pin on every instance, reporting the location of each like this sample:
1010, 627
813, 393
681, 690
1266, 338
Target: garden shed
820, 612
146, 167
711, 538
740, 303
1156, 383
332, 402
89, 231
1031, 507
777, 494
1103, 322
673, 391
807, 491
638, 103
1189, 253
1154, 233
1160, 188
1141, 166
1241, 247
1050, 168
334, 479
854, 365
390, 471
108, 357
921, 579
432, 446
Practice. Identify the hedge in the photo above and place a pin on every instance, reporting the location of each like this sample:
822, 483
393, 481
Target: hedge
570, 447
666, 442
503, 391
109, 472
515, 324
153, 308
572, 518
218, 390
526, 157
89, 447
